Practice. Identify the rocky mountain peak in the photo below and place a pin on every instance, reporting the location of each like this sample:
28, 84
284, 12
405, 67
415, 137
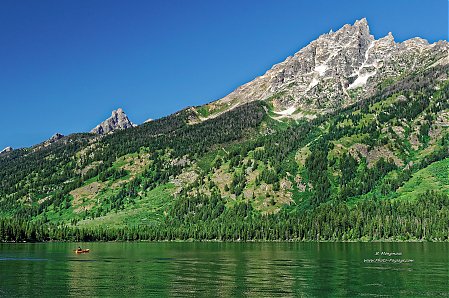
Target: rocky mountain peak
333, 71
118, 120
362, 22
360, 26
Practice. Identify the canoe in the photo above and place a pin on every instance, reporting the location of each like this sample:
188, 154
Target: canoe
82, 251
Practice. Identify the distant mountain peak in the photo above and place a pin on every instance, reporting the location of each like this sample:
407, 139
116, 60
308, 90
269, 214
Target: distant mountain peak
118, 120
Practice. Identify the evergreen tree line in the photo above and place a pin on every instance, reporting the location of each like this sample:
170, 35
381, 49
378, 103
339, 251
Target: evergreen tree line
208, 218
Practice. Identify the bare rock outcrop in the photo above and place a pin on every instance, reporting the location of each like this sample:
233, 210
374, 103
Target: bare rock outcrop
118, 120
6, 150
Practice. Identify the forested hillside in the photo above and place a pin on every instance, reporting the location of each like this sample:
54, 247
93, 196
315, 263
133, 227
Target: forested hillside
376, 169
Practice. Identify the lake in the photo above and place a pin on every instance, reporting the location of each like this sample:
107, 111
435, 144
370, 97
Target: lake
225, 269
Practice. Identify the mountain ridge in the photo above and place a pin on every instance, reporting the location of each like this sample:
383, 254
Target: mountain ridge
304, 74
255, 169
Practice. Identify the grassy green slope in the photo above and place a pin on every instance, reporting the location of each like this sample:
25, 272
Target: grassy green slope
433, 177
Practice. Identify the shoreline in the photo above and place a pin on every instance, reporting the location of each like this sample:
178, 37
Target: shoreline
231, 241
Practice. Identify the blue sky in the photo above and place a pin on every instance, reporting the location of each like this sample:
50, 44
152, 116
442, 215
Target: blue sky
65, 65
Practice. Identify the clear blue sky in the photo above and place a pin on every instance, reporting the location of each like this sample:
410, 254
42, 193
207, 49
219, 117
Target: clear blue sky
65, 65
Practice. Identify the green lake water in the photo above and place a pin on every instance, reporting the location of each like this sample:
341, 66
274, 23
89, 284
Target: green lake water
225, 269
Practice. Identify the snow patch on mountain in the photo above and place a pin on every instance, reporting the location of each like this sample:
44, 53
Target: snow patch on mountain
287, 112
361, 80
321, 69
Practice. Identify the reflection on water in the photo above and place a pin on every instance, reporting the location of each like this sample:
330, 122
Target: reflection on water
225, 269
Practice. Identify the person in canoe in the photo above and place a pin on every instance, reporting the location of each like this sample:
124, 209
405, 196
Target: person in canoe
80, 250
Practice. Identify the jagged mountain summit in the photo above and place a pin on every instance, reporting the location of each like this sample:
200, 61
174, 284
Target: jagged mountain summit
334, 71
7, 149
118, 120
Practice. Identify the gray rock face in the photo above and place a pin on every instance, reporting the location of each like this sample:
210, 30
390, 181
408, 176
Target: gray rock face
57, 136
118, 120
336, 70
7, 149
